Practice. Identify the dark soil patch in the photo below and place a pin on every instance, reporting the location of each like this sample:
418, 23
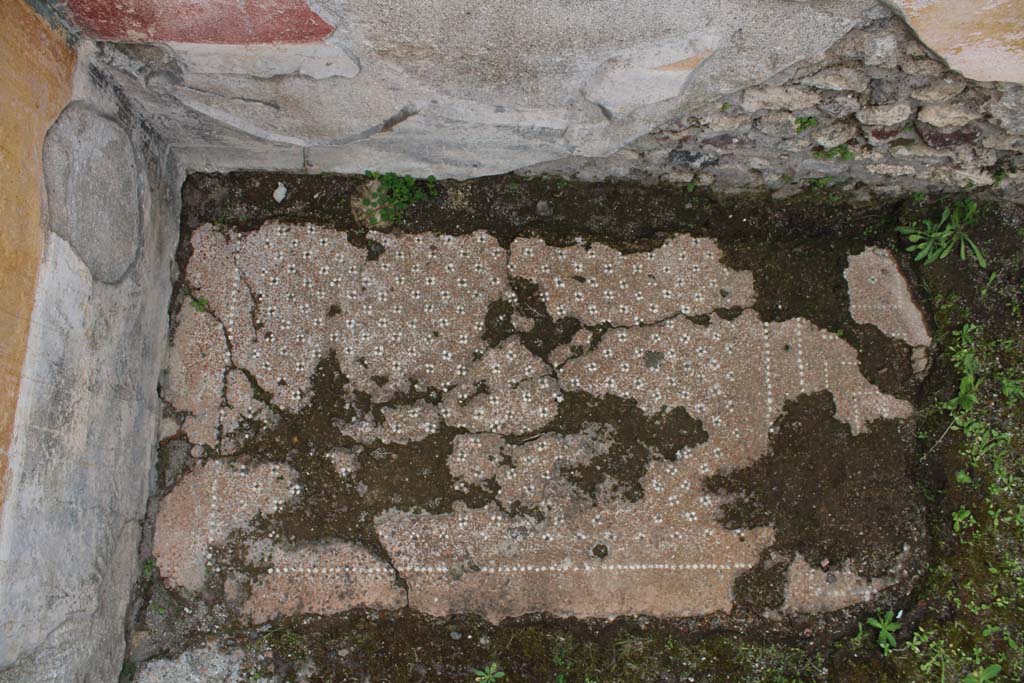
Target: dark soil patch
831, 496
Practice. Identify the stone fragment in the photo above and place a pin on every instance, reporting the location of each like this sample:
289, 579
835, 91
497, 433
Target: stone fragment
323, 579
168, 428
840, 105
1002, 141
599, 284
939, 90
726, 141
923, 67
919, 150
240, 403
204, 507
884, 134
691, 159
344, 460
810, 590
838, 78
720, 122
579, 343
945, 138
778, 97
880, 49
884, 91
884, 115
891, 170
777, 124
93, 190
947, 115
1008, 109
960, 177
880, 296
834, 135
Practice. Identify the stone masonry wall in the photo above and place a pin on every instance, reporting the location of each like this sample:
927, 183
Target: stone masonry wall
876, 113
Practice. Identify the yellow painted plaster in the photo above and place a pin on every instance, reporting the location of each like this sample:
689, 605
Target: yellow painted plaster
35, 84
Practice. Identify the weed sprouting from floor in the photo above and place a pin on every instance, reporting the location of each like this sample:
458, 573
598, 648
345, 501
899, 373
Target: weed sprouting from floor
981, 675
395, 194
887, 626
488, 674
934, 240
201, 304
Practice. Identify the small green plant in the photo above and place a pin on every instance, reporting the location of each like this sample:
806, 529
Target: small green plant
962, 519
805, 122
819, 183
936, 240
395, 194
967, 397
489, 674
983, 675
841, 151
1013, 390
887, 627
148, 567
201, 304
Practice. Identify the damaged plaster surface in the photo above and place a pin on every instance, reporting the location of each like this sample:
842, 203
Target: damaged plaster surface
82, 449
569, 477
780, 96
451, 88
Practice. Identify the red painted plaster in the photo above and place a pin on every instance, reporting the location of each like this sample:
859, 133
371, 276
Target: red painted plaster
234, 22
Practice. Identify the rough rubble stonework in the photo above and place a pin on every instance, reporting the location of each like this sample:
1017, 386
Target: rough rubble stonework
875, 106
409, 316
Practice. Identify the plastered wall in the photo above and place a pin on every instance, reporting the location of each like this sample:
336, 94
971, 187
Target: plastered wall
35, 83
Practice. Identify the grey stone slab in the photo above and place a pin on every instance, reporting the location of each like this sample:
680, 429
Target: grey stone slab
93, 191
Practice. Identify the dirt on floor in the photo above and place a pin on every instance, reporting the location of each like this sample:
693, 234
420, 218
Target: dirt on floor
837, 509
